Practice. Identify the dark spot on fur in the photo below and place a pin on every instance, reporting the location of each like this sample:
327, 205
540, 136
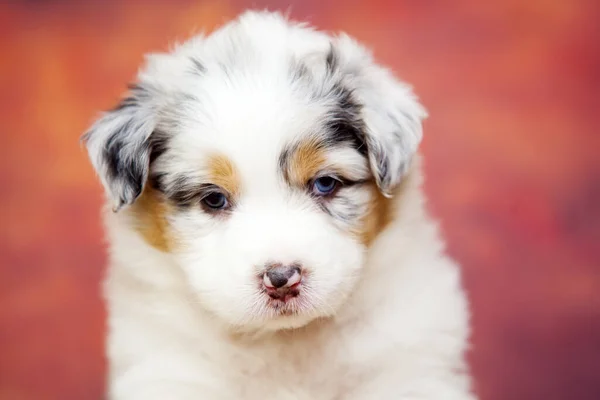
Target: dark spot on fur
345, 124
199, 68
332, 59
158, 145
156, 180
129, 168
113, 148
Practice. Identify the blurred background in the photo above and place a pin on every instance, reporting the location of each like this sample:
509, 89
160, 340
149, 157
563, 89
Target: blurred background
512, 163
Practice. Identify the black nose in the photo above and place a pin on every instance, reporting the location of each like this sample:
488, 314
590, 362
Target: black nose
282, 275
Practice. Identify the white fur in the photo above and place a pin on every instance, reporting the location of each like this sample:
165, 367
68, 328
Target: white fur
385, 321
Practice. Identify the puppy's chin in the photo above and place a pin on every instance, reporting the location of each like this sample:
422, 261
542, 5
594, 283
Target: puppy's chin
268, 318
278, 323
267, 322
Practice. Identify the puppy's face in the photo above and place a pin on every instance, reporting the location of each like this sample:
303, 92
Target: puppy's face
260, 159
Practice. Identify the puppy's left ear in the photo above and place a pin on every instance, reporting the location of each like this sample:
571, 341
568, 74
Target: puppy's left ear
119, 146
391, 113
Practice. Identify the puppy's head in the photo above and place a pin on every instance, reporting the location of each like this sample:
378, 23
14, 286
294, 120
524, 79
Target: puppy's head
260, 159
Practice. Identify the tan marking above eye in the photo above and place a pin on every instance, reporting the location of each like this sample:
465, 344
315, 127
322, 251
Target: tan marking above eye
222, 173
305, 161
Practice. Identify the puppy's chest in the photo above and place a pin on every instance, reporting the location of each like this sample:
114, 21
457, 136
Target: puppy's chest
293, 371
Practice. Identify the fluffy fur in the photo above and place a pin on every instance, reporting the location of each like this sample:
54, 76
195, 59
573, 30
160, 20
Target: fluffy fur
214, 166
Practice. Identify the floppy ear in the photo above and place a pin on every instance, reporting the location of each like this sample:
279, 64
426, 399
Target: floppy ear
391, 113
119, 146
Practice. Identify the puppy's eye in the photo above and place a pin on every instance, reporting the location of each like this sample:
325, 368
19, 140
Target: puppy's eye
324, 186
215, 201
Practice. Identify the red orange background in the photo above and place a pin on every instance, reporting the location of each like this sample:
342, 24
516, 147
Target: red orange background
513, 172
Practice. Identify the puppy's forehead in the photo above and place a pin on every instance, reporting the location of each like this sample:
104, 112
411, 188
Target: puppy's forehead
252, 100
247, 120
250, 128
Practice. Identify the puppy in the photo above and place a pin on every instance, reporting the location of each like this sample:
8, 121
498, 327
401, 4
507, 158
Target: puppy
268, 238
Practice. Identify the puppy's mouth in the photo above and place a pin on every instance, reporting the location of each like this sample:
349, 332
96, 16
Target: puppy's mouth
285, 301
285, 294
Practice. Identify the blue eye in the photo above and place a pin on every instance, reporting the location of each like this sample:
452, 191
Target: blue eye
324, 186
215, 201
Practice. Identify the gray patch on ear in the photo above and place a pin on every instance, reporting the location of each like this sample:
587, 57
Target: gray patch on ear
391, 150
390, 111
379, 164
119, 147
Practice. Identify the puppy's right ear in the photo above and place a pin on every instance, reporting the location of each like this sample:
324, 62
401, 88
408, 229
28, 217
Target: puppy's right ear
119, 146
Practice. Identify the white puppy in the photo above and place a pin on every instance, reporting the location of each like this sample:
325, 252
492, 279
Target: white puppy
268, 238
